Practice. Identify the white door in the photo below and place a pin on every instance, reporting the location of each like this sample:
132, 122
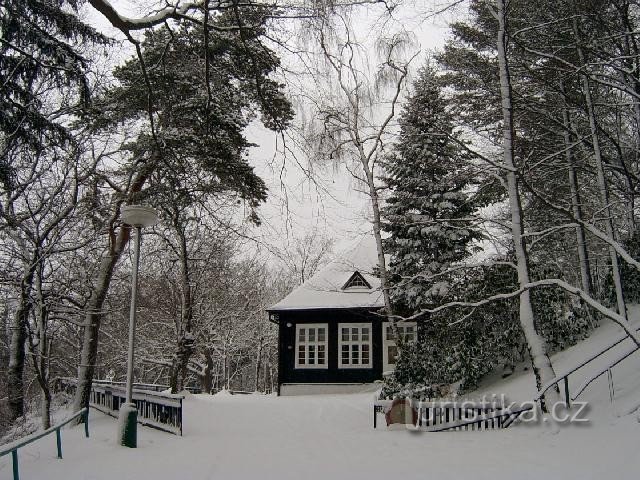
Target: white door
406, 330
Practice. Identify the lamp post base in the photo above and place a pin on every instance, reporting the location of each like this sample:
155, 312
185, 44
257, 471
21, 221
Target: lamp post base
128, 425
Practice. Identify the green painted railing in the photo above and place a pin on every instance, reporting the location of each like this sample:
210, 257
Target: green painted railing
12, 448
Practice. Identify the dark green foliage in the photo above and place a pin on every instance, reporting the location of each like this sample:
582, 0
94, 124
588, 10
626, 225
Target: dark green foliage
487, 339
198, 140
629, 274
429, 210
39, 58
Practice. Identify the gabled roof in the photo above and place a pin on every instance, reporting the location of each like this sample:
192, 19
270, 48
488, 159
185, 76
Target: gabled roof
326, 289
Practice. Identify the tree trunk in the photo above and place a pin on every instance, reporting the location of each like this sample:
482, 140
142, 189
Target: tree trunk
93, 317
174, 373
207, 377
377, 234
576, 206
15, 373
536, 344
45, 407
602, 181
185, 341
256, 384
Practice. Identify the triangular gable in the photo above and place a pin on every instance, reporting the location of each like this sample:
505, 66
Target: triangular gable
356, 281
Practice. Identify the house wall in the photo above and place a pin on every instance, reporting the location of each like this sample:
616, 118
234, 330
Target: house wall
287, 342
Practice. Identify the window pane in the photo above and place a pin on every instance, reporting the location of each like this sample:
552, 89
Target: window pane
312, 354
321, 334
392, 354
365, 354
365, 334
301, 335
345, 354
321, 356
301, 355
355, 354
345, 334
312, 334
354, 334
410, 334
389, 333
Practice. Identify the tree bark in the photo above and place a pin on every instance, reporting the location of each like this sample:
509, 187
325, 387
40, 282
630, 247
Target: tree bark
93, 316
602, 181
377, 233
537, 346
17, 347
207, 376
576, 206
256, 384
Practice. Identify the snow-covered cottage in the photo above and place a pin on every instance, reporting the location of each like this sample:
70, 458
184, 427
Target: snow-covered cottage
330, 338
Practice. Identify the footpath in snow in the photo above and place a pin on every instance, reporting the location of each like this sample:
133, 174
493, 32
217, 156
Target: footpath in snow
320, 437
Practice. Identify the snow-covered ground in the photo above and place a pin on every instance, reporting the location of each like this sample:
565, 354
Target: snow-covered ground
320, 437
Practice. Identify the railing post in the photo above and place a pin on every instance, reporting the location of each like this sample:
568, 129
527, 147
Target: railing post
14, 458
86, 422
567, 398
611, 388
59, 443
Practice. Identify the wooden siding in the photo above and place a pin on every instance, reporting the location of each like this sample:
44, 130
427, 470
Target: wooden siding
287, 344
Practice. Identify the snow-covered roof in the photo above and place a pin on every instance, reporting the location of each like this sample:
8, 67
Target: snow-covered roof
325, 288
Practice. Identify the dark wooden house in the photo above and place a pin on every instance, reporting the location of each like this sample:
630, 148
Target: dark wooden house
331, 339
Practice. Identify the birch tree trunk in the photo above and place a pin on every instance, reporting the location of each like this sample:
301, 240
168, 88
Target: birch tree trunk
536, 344
377, 233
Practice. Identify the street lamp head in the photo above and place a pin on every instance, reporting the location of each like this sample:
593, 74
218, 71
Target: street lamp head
139, 216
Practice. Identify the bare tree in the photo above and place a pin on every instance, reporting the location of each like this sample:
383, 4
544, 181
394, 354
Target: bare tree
354, 115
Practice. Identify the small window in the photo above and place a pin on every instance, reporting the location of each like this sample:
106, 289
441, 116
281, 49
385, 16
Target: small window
355, 345
311, 345
356, 282
407, 331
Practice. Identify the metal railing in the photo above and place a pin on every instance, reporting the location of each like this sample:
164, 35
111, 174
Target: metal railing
159, 410
564, 377
440, 416
155, 387
13, 447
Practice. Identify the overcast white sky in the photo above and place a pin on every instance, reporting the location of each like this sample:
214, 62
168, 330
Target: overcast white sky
295, 204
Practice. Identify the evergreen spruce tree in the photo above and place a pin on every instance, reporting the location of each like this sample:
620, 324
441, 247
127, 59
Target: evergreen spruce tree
40, 53
429, 216
429, 211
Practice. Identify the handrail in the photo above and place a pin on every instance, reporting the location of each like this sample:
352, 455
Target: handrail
13, 447
565, 375
155, 387
604, 370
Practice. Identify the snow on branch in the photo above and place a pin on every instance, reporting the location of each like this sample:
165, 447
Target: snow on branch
607, 312
127, 24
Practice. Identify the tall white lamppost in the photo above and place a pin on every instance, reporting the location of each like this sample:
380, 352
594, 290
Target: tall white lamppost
137, 216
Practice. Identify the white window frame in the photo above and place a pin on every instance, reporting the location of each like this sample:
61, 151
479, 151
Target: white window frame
390, 342
351, 342
315, 344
